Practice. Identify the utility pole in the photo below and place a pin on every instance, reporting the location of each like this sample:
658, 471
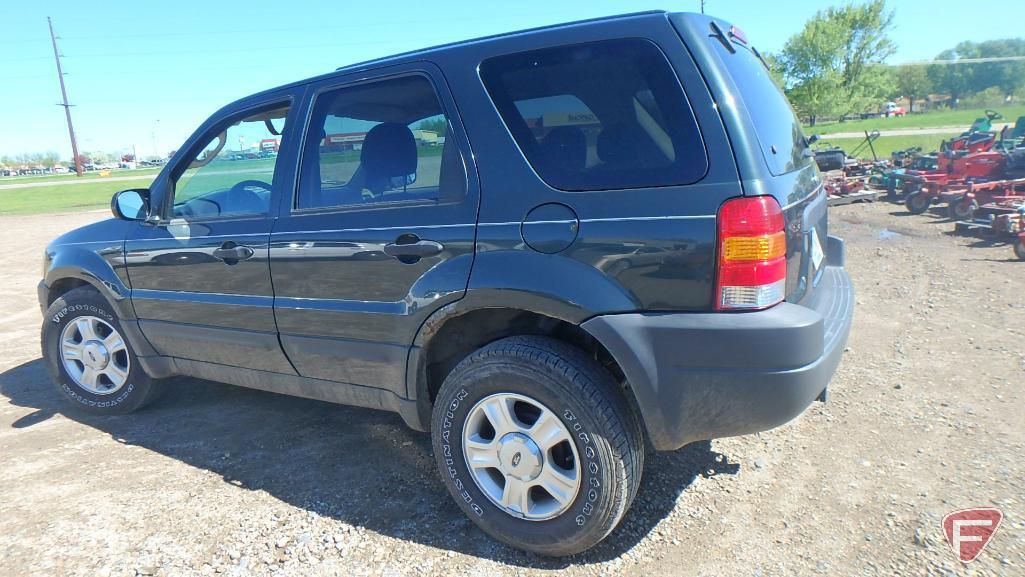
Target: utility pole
702, 6
67, 107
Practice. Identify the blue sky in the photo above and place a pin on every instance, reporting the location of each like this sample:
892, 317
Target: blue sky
147, 73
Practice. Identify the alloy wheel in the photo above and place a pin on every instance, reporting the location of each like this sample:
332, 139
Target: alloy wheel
95, 355
521, 456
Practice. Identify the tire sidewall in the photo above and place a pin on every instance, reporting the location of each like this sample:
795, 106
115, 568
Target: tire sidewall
961, 209
588, 514
63, 311
916, 203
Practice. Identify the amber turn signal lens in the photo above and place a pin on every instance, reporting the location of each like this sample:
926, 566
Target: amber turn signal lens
764, 247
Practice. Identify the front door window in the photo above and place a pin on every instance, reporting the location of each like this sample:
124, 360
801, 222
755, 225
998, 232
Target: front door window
234, 173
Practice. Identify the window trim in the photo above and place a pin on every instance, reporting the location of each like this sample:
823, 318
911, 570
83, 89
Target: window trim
675, 74
200, 143
311, 101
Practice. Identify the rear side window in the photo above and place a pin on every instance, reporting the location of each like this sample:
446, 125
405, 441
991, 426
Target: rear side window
776, 126
598, 116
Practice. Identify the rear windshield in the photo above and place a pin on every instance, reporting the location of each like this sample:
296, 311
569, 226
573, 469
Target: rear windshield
775, 123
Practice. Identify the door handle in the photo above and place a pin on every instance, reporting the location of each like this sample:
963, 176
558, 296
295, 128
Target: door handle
409, 248
231, 253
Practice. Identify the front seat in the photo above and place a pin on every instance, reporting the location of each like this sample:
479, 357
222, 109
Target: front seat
389, 152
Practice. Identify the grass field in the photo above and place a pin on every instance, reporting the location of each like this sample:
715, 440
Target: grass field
73, 197
884, 145
92, 192
925, 120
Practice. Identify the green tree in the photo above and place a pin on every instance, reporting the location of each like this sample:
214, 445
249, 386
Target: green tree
830, 67
955, 80
1009, 75
49, 159
912, 82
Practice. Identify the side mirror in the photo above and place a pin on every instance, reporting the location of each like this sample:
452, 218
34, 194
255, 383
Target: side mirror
131, 204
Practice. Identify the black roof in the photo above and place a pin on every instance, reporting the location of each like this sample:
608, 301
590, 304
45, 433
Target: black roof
403, 56
460, 43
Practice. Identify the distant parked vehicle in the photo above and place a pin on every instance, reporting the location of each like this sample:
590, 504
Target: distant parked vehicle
893, 110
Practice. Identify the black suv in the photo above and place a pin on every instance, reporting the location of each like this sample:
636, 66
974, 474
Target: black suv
549, 249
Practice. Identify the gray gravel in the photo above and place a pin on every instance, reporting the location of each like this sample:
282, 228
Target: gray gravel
925, 417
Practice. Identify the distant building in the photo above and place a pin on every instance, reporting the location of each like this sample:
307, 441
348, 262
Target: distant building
429, 137
343, 141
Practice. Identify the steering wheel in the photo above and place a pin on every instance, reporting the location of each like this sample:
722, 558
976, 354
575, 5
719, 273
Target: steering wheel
184, 210
240, 186
245, 197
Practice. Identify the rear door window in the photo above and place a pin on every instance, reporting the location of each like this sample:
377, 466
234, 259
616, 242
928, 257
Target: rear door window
380, 142
598, 116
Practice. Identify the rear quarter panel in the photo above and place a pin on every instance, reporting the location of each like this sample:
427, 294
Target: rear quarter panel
675, 225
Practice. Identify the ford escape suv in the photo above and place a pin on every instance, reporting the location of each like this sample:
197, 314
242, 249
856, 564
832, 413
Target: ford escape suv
550, 249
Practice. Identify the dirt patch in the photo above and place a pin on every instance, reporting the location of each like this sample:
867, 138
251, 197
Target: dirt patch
924, 417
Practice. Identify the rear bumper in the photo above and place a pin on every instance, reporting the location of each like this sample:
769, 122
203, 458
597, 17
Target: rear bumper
701, 376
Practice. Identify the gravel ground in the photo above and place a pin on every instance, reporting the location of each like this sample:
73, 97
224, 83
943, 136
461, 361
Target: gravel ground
925, 416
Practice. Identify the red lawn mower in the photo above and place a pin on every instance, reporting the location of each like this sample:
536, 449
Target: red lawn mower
959, 172
1002, 216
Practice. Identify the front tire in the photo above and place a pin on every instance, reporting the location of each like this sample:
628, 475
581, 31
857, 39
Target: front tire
1019, 248
961, 209
88, 359
537, 445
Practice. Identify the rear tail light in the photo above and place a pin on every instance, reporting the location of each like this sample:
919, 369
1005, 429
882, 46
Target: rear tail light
752, 254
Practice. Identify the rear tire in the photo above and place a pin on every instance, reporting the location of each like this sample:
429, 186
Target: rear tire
601, 441
1019, 248
916, 203
89, 361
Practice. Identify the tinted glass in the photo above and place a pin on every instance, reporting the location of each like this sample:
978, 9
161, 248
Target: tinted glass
233, 173
377, 142
595, 116
776, 126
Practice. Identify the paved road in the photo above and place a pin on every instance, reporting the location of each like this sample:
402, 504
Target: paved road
73, 182
906, 131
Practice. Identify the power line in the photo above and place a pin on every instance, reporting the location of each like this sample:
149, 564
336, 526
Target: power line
966, 60
951, 62
335, 27
206, 51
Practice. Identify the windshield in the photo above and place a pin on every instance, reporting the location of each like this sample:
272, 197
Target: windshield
775, 123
